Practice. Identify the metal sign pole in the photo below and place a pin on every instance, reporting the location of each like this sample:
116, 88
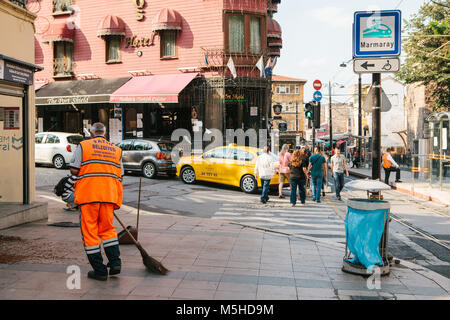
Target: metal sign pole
330, 126
359, 119
313, 132
376, 128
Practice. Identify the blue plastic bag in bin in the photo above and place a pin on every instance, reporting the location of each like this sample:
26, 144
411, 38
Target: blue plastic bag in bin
364, 226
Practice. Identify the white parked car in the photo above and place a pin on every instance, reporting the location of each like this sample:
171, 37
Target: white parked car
56, 148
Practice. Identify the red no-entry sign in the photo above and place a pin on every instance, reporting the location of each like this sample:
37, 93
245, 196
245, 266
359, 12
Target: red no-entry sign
317, 84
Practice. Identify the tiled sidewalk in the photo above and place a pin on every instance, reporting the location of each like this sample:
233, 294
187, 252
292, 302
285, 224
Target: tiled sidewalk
208, 259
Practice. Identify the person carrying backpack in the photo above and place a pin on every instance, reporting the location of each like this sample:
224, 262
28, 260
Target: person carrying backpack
65, 190
68, 194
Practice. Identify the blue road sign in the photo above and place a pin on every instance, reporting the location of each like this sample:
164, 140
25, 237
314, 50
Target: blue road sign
377, 33
317, 96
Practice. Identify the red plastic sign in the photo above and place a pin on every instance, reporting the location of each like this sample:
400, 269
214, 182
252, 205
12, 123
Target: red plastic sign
317, 84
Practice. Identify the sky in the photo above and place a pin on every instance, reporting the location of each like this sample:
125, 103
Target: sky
317, 38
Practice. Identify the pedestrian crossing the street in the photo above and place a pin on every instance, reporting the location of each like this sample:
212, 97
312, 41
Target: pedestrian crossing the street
314, 220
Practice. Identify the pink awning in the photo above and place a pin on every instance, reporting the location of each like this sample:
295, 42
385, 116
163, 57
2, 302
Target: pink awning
162, 88
111, 26
59, 31
38, 85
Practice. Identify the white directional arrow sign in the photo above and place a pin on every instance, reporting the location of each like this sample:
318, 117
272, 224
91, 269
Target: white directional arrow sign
376, 65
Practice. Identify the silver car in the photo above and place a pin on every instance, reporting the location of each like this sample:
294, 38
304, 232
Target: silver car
151, 157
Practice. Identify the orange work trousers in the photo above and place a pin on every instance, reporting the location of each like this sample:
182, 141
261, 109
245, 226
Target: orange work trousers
96, 221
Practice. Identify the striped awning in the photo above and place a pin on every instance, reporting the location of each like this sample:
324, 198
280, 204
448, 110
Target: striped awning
273, 29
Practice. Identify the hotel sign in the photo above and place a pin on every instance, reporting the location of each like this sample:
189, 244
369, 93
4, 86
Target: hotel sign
136, 42
139, 4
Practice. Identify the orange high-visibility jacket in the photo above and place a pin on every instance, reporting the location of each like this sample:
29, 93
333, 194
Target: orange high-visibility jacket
386, 163
100, 175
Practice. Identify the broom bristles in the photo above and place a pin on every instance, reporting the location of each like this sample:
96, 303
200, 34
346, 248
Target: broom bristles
152, 264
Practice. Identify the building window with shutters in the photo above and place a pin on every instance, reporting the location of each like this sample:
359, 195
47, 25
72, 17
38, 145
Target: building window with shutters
168, 44
113, 49
62, 6
62, 59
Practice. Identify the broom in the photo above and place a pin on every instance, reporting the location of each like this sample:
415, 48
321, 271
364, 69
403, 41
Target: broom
152, 264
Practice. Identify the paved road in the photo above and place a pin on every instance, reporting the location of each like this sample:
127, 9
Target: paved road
319, 222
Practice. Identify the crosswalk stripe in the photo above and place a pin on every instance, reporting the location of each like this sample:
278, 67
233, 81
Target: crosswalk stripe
314, 221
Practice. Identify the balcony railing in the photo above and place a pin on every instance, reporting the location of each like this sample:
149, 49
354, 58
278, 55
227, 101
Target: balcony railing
20, 3
62, 67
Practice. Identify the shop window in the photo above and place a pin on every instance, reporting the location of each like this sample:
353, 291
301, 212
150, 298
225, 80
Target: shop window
113, 48
236, 33
255, 35
62, 6
168, 44
62, 58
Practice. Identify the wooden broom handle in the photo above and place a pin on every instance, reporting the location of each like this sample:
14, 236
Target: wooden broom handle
124, 228
139, 204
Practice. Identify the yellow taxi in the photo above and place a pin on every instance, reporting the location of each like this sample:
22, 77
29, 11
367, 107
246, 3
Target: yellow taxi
231, 165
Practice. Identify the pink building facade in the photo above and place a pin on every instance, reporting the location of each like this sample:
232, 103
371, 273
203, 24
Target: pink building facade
145, 68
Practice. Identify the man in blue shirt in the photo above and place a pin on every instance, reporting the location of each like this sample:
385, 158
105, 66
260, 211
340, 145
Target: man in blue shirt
318, 168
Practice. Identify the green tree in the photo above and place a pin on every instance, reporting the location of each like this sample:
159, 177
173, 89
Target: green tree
427, 48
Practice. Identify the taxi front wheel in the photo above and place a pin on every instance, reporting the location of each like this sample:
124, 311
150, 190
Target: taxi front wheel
187, 175
249, 184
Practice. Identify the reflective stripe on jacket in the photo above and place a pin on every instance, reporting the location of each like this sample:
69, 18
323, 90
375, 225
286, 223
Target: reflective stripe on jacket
100, 176
386, 163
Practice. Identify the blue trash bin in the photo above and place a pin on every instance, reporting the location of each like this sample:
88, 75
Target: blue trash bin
366, 229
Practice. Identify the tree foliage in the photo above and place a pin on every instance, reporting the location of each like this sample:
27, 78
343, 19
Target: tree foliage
427, 48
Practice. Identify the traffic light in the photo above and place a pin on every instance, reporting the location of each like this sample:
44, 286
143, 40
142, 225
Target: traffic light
309, 110
316, 115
